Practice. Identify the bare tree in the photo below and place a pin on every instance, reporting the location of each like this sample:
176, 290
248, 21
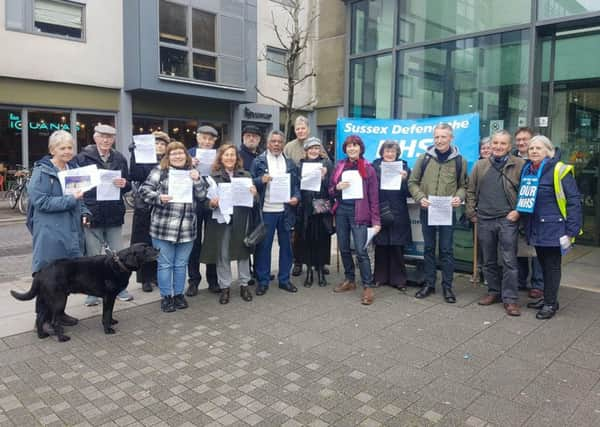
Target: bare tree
293, 37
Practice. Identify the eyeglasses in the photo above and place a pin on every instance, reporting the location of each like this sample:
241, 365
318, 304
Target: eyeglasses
177, 153
106, 136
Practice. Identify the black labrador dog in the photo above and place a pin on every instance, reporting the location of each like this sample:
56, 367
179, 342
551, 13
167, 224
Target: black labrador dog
101, 276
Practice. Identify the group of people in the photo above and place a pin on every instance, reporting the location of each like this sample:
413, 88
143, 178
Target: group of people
506, 195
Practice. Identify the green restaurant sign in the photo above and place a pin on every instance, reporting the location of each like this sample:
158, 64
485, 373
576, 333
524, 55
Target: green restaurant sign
15, 122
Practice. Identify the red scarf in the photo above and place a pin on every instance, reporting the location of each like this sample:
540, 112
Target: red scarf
362, 166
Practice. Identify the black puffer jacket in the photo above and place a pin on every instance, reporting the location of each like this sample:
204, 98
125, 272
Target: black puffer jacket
109, 213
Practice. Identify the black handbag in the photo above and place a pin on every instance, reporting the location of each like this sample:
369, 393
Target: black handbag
385, 214
258, 234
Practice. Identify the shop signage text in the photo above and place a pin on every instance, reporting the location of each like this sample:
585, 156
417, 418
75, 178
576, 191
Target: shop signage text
15, 122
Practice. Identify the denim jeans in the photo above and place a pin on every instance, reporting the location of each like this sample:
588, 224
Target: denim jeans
446, 244
345, 225
499, 237
172, 265
274, 221
537, 278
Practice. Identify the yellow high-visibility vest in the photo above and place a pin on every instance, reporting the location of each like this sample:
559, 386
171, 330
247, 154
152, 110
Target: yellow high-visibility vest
560, 171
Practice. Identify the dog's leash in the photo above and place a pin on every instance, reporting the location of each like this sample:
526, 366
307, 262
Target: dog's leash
108, 251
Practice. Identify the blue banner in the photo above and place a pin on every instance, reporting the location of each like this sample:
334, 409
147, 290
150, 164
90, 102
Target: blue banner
414, 136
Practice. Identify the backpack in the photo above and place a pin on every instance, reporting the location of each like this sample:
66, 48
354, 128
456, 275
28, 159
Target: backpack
457, 162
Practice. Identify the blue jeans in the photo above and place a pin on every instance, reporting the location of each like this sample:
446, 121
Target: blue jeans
537, 278
344, 225
499, 237
446, 244
274, 221
172, 265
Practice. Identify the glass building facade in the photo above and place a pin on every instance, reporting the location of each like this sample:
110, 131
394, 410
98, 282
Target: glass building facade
515, 62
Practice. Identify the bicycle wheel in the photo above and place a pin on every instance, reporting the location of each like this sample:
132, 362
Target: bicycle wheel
12, 198
23, 201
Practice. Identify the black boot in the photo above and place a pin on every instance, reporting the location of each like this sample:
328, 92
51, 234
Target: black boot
167, 304
224, 298
147, 286
192, 289
308, 282
179, 302
321, 276
245, 293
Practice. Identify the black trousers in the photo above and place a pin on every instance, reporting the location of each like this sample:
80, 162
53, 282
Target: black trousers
140, 233
194, 261
389, 265
550, 258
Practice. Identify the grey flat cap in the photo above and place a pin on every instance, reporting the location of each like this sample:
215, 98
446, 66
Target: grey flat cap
106, 129
311, 142
208, 129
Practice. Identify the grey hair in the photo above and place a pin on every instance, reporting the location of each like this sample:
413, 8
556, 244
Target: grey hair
502, 132
390, 143
301, 119
444, 126
276, 132
547, 144
59, 137
485, 140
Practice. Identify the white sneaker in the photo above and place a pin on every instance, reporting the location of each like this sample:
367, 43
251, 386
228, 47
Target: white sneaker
125, 296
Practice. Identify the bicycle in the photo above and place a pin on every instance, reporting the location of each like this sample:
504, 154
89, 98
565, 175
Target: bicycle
17, 193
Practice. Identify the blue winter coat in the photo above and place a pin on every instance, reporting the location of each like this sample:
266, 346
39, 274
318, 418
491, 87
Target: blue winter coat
259, 168
56, 222
545, 226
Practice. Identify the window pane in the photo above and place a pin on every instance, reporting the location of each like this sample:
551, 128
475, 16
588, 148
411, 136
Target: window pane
371, 87
275, 62
174, 62
373, 25
55, 17
205, 67
173, 23
145, 125
10, 139
487, 74
422, 20
184, 131
558, 8
203, 28
41, 126
85, 127
573, 59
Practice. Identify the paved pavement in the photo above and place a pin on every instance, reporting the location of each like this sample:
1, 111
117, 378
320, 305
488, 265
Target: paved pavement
313, 358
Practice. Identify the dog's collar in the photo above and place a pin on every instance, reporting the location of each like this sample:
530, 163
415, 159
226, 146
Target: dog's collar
121, 265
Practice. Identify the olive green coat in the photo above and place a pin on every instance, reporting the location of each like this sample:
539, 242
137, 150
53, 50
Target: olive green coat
241, 225
439, 179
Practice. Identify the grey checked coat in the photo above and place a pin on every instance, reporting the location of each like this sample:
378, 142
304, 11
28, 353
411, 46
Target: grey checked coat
173, 222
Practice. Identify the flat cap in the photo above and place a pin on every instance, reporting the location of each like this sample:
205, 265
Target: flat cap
208, 129
106, 129
311, 142
251, 129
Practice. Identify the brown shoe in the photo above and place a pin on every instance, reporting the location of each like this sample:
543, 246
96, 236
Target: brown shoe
345, 286
367, 296
536, 294
512, 309
489, 299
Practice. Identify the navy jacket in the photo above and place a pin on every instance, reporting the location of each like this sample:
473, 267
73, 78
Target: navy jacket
260, 168
247, 157
106, 213
545, 226
399, 233
56, 221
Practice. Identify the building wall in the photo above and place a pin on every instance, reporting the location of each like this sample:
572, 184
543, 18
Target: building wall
330, 57
269, 12
97, 61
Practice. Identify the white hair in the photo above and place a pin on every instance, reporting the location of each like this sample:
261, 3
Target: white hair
59, 137
547, 144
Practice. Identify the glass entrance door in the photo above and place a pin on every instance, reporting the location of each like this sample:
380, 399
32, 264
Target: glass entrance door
571, 100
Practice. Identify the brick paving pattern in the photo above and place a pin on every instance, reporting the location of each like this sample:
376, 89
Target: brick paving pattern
313, 359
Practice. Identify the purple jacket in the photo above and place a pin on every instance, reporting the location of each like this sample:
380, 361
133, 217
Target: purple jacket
366, 210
